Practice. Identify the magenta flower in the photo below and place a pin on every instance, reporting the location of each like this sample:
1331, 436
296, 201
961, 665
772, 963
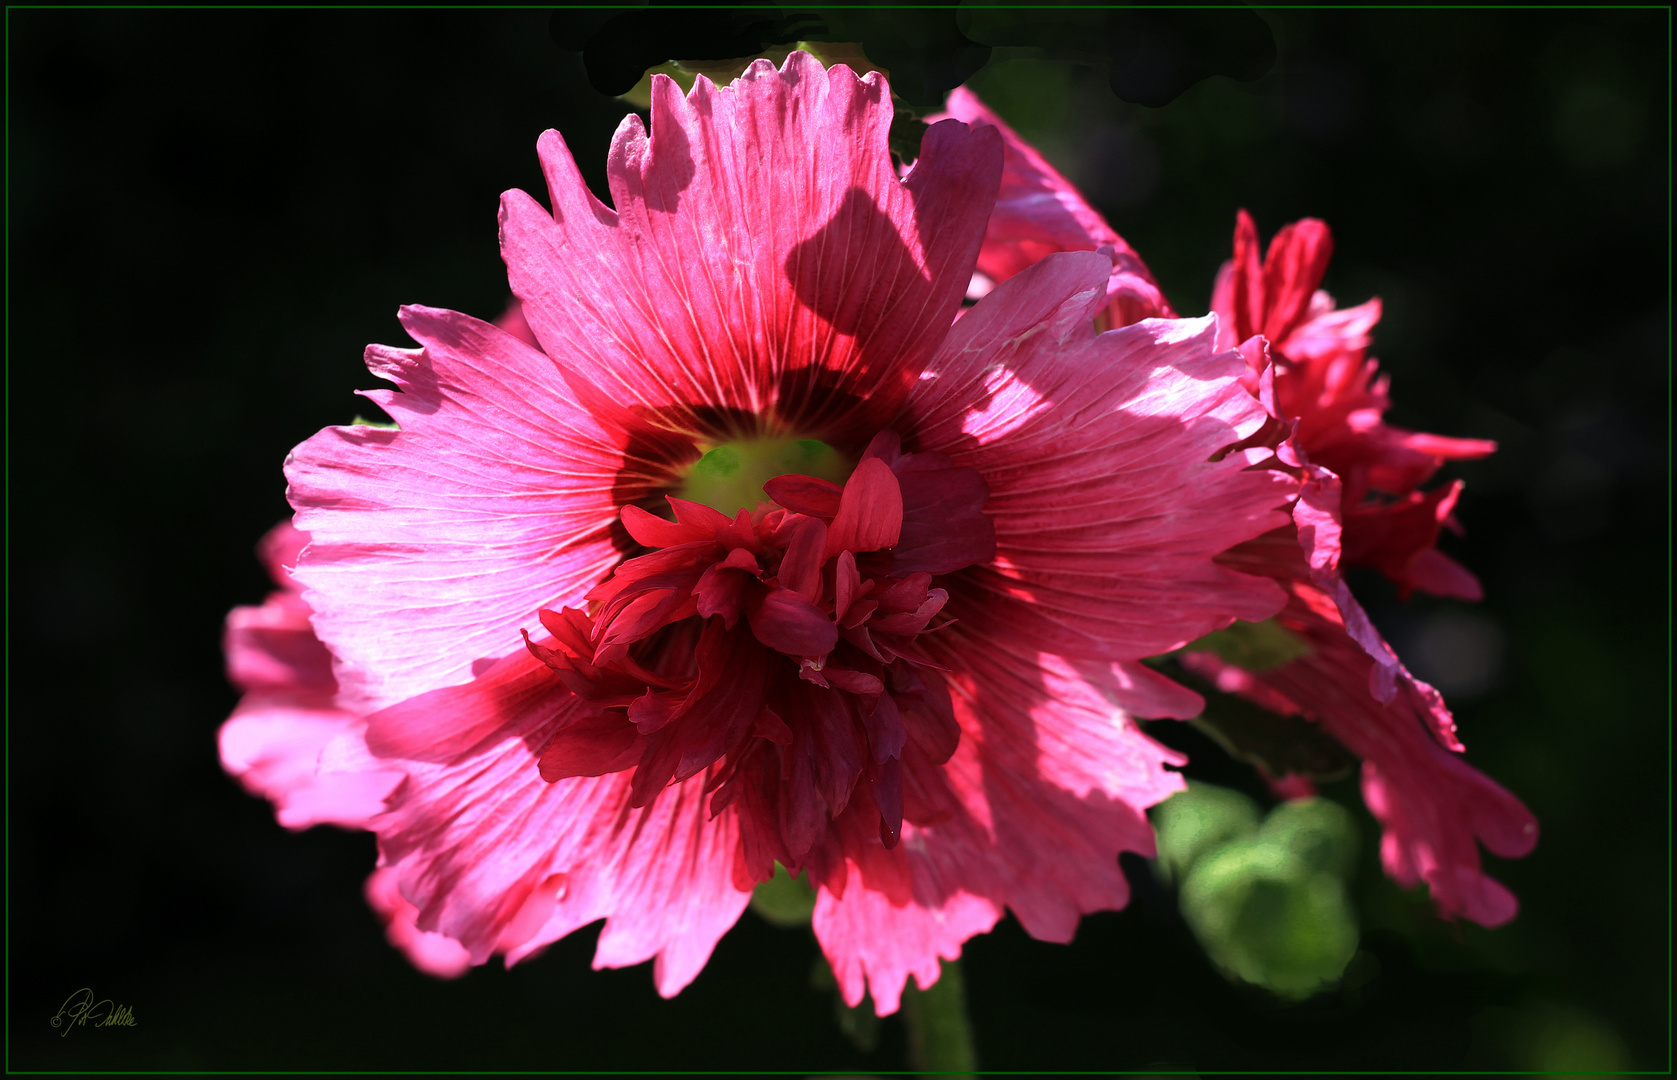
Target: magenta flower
1360, 506
897, 650
1325, 380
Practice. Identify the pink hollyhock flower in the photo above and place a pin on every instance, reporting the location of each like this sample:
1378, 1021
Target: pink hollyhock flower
1325, 380
1359, 506
273, 741
913, 677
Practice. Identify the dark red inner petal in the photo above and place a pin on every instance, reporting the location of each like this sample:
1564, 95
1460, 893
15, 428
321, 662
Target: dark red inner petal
776, 649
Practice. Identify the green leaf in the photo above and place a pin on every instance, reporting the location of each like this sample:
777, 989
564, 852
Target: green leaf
640, 95
784, 900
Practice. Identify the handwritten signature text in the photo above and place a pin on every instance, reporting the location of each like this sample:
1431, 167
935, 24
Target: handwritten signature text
82, 1009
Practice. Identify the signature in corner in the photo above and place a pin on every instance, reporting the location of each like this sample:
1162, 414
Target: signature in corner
81, 1009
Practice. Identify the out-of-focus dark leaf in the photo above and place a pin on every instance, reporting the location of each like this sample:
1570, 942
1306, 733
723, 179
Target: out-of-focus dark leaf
922, 49
859, 1024
617, 51
1151, 55
1261, 646
1276, 744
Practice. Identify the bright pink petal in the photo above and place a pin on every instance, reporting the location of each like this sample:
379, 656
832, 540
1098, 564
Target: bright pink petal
762, 257
1052, 779
513, 322
279, 548
274, 647
870, 513
875, 945
273, 742
500, 860
665, 881
445, 724
1334, 332
435, 544
1327, 386
1097, 451
434, 954
1039, 212
1140, 691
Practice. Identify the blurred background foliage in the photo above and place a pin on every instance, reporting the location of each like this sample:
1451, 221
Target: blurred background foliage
211, 213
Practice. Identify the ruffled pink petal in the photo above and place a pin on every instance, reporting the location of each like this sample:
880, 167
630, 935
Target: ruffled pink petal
1052, 779
1272, 297
1294, 265
272, 744
664, 879
273, 646
872, 944
278, 549
1432, 805
499, 860
763, 257
1327, 385
1333, 332
434, 954
435, 544
1397, 539
1430, 839
1107, 505
273, 741
1039, 212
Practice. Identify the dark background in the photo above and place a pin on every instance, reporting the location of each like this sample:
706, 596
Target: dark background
210, 213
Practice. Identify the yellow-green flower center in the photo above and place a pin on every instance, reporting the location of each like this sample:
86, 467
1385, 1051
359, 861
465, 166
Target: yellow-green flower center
730, 476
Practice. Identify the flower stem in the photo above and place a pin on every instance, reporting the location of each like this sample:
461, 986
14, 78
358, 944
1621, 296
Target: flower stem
939, 1032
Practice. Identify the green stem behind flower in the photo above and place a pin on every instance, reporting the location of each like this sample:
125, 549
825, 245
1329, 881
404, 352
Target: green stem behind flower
939, 1032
